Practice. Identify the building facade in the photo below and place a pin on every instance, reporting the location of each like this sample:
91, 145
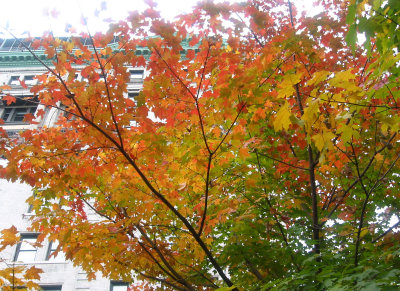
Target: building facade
18, 68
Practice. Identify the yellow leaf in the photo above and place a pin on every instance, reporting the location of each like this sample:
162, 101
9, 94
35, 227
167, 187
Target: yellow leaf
323, 140
318, 77
228, 48
9, 237
341, 79
311, 113
33, 273
69, 46
282, 119
78, 53
363, 232
285, 88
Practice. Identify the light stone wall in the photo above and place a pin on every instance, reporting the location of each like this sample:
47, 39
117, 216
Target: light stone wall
13, 209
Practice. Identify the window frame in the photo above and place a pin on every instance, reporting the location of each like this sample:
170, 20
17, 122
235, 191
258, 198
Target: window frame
19, 249
29, 79
14, 80
13, 113
51, 287
30, 211
136, 75
28, 103
132, 94
118, 284
50, 249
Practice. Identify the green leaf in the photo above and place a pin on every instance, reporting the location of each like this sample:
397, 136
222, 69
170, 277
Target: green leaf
351, 14
351, 36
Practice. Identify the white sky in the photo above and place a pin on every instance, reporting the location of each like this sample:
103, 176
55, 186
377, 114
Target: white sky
30, 15
24, 15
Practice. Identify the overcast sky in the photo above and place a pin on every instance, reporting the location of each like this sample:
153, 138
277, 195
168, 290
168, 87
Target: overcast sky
33, 15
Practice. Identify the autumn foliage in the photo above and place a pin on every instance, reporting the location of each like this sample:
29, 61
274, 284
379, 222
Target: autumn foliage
262, 155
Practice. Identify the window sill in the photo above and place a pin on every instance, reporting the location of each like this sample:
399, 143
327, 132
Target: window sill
40, 263
28, 215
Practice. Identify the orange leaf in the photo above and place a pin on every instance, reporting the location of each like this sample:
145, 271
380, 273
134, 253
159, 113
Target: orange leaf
33, 273
9, 99
9, 237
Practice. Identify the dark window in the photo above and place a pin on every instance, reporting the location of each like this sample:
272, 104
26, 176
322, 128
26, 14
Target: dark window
15, 114
26, 251
14, 80
51, 288
136, 74
133, 94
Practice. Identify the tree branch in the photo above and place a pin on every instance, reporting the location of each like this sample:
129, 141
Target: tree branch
386, 232
206, 194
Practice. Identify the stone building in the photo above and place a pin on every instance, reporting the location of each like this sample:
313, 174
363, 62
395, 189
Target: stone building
17, 64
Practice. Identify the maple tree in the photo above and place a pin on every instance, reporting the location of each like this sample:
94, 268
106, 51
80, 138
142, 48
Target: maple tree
264, 156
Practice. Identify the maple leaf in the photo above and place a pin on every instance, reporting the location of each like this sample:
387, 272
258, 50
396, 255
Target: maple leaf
282, 118
323, 140
33, 273
9, 99
9, 237
22, 82
5, 87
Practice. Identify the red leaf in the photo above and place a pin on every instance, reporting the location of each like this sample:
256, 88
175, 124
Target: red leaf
190, 54
194, 41
29, 118
22, 82
241, 107
36, 44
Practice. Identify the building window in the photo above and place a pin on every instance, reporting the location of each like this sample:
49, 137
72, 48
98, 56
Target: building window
52, 248
133, 94
14, 80
28, 79
51, 288
15, 113
26, 251
136, 74
118, 286
30, 209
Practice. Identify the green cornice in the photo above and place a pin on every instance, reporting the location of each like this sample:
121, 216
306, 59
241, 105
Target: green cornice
19, 59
